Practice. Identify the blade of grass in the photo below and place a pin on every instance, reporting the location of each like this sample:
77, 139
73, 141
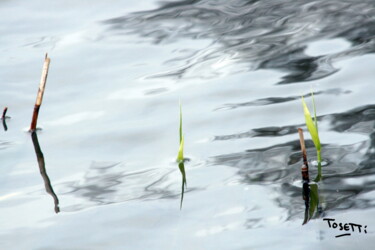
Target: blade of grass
311, 126
180, 155
315, 120
180, 123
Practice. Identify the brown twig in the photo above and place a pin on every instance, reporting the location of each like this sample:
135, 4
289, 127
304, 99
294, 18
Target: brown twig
4, 113
303, 148
39, 97
305, 166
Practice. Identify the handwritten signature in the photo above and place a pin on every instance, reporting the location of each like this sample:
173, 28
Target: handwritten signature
345, 226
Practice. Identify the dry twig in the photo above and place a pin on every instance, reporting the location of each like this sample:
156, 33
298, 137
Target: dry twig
39, 98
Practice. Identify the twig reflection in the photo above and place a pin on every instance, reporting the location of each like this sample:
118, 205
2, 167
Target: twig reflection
4, 117
5, 125
43, 172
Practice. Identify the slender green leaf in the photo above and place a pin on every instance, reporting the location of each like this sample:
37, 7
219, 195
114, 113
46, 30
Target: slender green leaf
180, 123
180, 156
311, 126
315, 119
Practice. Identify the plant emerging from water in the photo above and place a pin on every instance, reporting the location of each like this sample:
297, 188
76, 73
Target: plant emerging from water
312, 126
180, 159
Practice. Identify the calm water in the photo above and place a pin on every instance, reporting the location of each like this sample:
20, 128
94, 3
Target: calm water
110, 120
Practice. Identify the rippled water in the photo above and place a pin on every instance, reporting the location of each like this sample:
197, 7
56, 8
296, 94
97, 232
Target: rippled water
105, 157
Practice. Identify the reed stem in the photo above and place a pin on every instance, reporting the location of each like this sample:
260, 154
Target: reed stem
4, 113
40, 94
305, 166
319, 158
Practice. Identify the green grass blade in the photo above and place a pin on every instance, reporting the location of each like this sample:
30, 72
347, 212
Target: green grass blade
180, 156
311, 126
315, 120
180, 123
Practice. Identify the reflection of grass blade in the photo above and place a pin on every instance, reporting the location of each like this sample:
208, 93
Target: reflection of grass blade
314, 199
311, 126
181, 166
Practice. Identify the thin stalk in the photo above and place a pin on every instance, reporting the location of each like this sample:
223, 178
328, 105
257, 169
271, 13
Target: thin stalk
303, 147
319, 158
180, 129
39, 97
4, 113
315, 120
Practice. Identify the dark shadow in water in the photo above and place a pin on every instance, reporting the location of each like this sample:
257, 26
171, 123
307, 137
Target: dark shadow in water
106, 183
278, 100
254, 34
181, 166
312, 205
348, 177
350, 121
43, 171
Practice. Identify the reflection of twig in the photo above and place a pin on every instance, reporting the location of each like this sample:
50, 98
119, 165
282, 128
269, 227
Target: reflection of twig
43, 172
181, 166
39, 97
3, 117
5, 125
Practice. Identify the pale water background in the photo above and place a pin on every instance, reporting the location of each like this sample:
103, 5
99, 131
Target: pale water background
110, 121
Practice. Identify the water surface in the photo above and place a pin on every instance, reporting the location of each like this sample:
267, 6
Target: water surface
110, 120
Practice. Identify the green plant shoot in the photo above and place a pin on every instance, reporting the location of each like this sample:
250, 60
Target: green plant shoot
312, 126
180, 155
180, 160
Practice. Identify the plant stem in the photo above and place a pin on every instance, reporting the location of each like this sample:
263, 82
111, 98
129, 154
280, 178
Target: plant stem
4, 113
39, 98
305, 166
319, 176
319, 162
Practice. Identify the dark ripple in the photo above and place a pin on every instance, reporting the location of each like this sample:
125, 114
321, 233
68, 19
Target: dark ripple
266, 34
351, 121
109, 183
5, 144
349, 174
277, 100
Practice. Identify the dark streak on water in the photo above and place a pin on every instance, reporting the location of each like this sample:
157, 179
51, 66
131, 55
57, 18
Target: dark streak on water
261, 34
